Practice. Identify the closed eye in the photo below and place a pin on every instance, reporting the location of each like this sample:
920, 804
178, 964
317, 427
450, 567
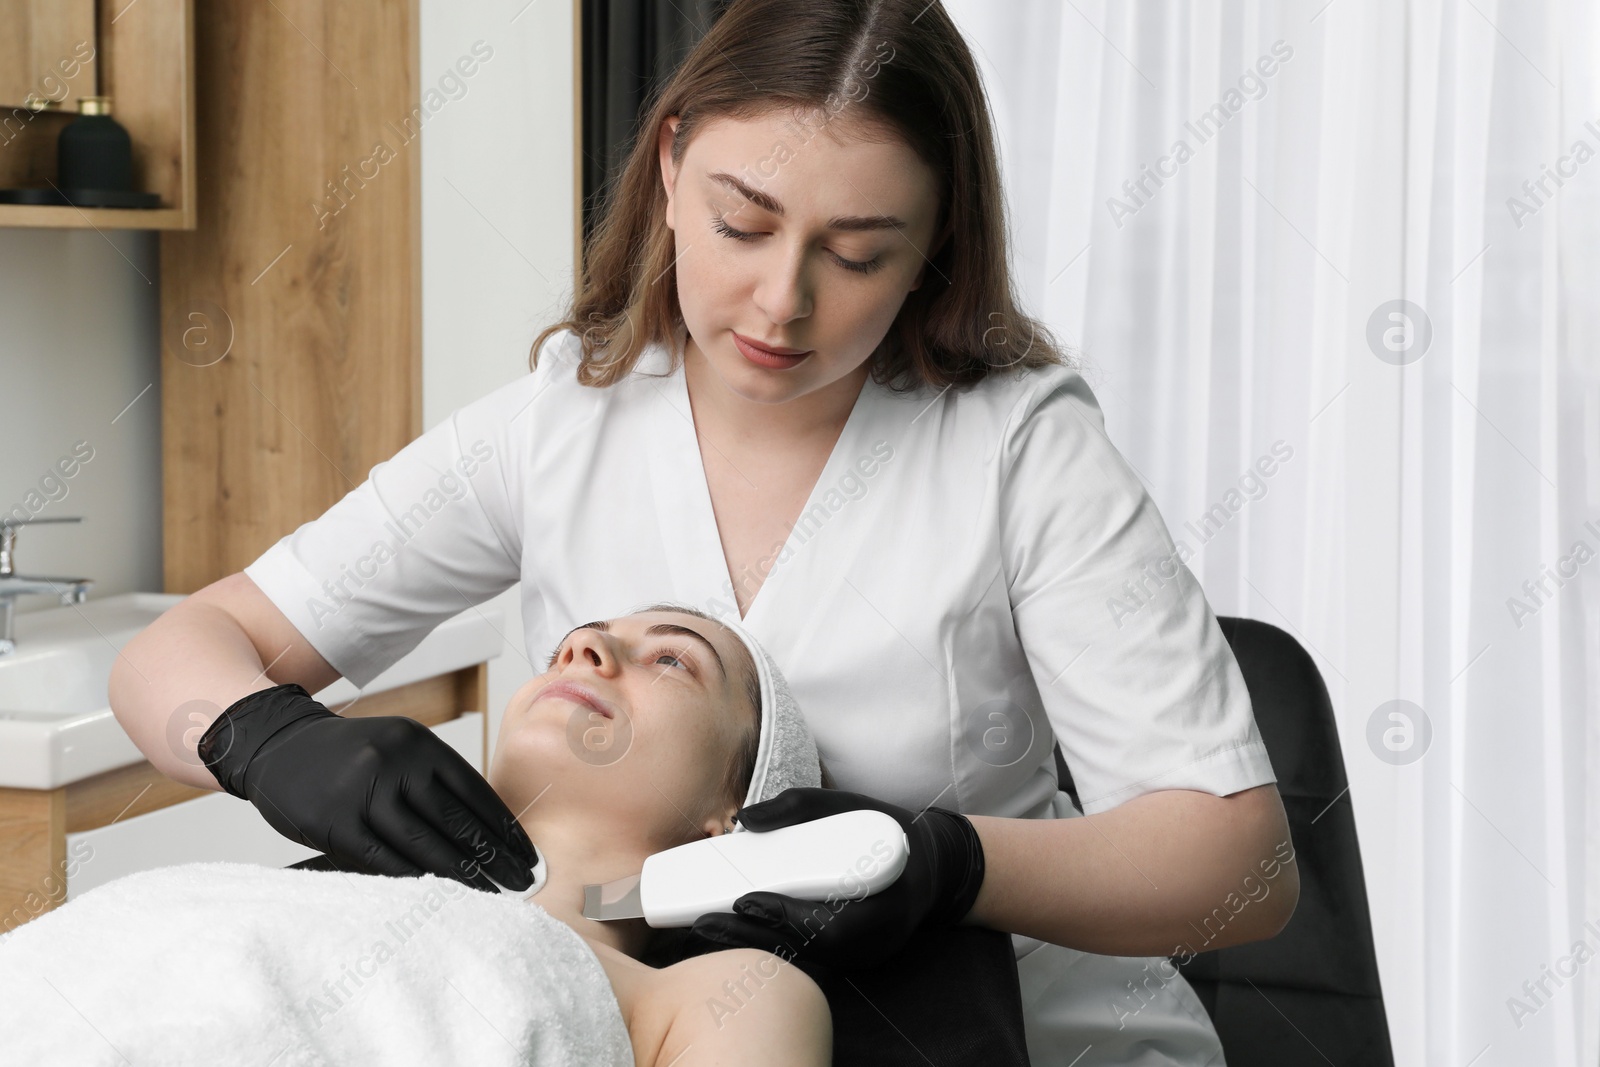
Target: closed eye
855, 266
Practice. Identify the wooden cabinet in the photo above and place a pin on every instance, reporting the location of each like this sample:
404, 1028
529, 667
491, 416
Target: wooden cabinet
141, 55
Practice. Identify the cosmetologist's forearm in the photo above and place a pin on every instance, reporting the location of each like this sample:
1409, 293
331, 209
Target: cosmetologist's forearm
1173, 872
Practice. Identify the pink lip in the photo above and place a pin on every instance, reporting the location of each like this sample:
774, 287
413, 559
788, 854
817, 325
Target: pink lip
575, 692
777, 350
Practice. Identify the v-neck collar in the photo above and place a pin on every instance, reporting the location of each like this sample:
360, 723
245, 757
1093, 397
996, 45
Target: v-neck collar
689, 531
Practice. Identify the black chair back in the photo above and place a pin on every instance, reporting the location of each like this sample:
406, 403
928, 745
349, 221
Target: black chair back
1313, 988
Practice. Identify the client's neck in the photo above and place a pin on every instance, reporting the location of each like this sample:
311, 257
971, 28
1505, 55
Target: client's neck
585, 848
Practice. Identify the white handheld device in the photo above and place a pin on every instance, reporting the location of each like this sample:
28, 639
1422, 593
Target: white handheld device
838, 857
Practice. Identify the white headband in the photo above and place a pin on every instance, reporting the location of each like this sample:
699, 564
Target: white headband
787, 756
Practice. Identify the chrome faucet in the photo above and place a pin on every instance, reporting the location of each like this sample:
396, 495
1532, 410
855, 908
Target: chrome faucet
13, 585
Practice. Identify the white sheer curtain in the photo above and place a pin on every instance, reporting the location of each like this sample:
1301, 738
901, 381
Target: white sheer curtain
1431, 528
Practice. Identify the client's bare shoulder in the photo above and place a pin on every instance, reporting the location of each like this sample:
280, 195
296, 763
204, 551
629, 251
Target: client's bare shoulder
738, 1005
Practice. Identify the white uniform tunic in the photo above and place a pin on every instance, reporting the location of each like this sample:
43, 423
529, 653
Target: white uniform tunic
977, 575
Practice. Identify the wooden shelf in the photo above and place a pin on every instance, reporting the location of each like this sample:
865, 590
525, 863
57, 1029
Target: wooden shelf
161, 218
143, 59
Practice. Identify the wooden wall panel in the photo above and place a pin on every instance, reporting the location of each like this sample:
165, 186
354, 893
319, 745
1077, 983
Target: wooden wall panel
152, 51
291, 314
38, 35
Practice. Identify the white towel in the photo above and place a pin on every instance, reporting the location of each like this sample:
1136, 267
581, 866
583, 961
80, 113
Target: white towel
229, 963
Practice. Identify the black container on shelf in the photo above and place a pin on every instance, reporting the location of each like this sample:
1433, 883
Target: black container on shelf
94, 151
94, 164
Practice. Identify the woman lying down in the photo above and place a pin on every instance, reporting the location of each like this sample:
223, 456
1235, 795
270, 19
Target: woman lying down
234, 963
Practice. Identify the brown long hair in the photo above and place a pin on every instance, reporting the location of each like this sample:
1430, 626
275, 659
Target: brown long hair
900, 65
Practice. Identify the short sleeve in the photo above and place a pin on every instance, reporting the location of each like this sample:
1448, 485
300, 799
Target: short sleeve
1140, 686
432, 532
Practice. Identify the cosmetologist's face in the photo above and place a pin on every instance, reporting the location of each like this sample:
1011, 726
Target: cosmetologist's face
798, 280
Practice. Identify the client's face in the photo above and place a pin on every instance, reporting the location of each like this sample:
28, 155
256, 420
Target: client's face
636, 719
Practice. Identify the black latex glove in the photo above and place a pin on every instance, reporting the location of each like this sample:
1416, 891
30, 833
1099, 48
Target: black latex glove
937, 888
382, 794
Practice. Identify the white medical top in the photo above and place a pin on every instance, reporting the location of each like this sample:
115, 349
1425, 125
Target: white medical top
977, 574
955, 597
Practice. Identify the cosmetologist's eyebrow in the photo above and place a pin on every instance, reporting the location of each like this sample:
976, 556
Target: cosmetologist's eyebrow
766, 202
658, 629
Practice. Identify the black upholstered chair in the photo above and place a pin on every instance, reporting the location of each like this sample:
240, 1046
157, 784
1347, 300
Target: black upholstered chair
1310, 994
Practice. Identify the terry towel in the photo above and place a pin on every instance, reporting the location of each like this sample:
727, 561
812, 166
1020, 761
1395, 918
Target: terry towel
230, 963
787, 754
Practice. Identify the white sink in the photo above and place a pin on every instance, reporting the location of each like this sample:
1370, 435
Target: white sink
56, 724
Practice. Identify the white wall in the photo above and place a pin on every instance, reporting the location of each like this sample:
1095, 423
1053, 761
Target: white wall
497, 218
78, 346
